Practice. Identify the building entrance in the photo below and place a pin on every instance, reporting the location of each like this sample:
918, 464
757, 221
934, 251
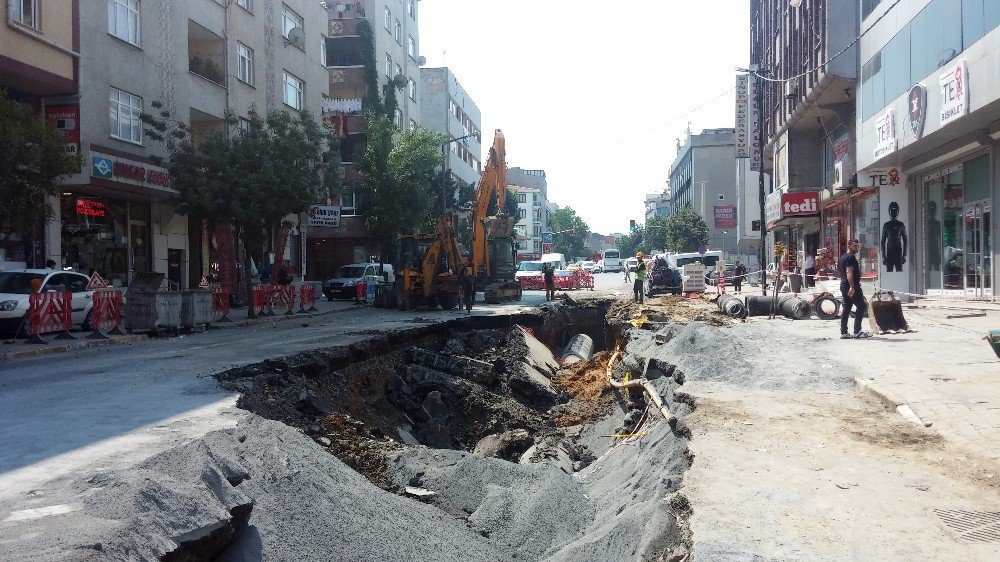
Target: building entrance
977, 249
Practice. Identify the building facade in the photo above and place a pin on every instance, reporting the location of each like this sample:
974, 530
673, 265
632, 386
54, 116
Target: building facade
39, 67
701, 177
657, 205
806, 58
534, 209
446, 107
928, 136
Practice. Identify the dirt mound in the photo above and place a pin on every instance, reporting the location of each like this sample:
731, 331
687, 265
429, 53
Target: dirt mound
587, 383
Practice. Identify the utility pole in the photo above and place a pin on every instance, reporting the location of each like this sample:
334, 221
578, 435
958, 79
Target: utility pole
760, 175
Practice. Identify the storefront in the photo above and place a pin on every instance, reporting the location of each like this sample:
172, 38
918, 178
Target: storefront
107, 235
794, 220
956, 213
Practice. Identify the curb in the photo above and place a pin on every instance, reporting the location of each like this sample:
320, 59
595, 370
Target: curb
872, 388
28, 353
278, 318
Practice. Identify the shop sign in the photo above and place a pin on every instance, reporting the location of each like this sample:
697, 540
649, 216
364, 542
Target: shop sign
883, 177
725, 216
954, 92
885, 134
66, 118
90, 208
127, 171
800, 204
841, 147
772, 207
324, 215
742, 117
756, 148
917, 109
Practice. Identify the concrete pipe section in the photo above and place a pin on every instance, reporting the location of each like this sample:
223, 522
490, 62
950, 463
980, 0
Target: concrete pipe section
579, 348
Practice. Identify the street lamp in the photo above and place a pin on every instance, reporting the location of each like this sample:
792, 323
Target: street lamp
444, 169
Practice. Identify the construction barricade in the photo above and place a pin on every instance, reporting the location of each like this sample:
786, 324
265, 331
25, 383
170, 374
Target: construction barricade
283, 298
307, 297
220, 304
106, 315
259, 300
533, 282
586, 280
50, 312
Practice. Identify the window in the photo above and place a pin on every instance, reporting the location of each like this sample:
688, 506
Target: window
522, 198
538, 231
398, 120
244, 125
867, 6
245, 4
722, 197
289, 20
521, 213
399, 70
411, 8
293, 91
388, 65
125, 110
412, 88
244, 63
322, 50
348, 204
25, 12
123, 20
388, 18
397, 32
411, 47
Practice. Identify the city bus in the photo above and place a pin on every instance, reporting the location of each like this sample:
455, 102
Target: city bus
612, 260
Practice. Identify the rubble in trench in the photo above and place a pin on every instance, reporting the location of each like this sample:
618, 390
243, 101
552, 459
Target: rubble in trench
496, 391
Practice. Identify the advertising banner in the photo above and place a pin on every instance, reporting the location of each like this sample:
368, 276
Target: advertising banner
885, 134
894, 236
954, 92
226, 256
756, 148
772, 207
742, 116
725, 216
324, 215
66, 118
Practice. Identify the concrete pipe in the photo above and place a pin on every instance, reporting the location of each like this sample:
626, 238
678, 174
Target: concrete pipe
579, 348
732, 306
788, 305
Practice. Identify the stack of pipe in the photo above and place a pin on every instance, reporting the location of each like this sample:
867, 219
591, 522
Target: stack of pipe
732, 305
789, 305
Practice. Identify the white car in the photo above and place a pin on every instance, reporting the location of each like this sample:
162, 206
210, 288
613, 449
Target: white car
16, 286
588, 266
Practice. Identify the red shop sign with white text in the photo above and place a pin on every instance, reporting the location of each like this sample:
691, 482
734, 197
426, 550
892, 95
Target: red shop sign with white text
800, 204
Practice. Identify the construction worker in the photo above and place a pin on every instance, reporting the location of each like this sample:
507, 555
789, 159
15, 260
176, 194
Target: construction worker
468, 289
550, 282
640, 278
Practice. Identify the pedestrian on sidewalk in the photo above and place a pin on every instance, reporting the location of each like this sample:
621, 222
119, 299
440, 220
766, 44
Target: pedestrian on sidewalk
739, 272
640, 278
550, 282
810, 270
468, 289
850, 291
628, 273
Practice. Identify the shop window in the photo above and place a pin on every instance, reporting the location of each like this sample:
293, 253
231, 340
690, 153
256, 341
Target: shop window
866, 230
95, 236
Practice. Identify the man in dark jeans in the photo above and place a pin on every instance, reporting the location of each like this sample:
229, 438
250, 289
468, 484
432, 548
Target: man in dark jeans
850, 290
739, 273
550, 282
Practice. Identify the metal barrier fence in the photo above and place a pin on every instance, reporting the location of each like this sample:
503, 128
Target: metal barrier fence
50, 312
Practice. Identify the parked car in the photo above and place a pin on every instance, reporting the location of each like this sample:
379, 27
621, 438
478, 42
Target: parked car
588, 266
343, 284
529, 268
16, 287
573, 266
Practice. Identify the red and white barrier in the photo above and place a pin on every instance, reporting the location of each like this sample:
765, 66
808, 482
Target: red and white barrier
106, 313
50, 312
282, 297
533, 282
259, 299
307, 296
220, 304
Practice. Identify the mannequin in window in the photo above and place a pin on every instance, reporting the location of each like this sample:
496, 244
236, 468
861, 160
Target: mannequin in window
894, 240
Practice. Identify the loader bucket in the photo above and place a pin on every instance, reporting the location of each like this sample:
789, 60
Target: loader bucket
885, 313
500, 226
994, 340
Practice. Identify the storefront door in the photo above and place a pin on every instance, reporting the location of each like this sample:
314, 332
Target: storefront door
978, 268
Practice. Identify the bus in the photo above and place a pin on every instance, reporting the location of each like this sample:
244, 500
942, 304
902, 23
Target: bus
612, 260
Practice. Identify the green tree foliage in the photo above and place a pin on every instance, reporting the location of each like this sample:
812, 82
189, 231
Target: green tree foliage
569, 233
252, 177
630, 243
398, 179
654, 235
686, 230
33, 158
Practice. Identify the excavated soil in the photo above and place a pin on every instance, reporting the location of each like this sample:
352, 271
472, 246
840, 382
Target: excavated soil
587, 384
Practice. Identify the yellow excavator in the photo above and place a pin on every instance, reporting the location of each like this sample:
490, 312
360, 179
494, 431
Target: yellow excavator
492, 259
428, 266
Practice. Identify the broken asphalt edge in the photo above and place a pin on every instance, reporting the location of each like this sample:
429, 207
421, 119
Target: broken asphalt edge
132, 338
872, 388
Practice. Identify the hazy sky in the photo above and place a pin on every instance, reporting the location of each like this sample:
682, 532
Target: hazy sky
592, 91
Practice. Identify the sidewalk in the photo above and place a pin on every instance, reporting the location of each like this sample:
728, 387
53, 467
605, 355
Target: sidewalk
20, 349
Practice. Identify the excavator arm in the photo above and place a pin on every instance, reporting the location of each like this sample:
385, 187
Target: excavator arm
492, 180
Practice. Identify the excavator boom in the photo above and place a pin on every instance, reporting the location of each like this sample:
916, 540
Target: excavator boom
492, 236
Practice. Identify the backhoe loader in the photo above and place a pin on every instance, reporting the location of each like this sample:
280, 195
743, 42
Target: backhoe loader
492, 260
427, 268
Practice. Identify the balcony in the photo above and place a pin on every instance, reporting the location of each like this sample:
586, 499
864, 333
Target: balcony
345, 10
343, 51
206, 54
343, 27
347, 82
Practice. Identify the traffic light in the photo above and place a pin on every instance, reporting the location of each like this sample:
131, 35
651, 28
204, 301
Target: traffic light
631, 225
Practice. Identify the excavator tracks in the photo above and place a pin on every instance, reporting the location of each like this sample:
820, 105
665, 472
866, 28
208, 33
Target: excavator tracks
496, 293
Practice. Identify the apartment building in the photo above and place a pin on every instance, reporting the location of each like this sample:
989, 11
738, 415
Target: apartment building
199, 59
534, 210
394, 38
39, 67
702, 177
446, 107
928, 135
657, 205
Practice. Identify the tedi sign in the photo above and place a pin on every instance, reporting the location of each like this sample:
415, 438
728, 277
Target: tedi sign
800, 204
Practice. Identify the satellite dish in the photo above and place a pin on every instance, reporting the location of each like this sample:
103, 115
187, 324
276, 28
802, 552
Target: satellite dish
421, 60
296, 37
399, 81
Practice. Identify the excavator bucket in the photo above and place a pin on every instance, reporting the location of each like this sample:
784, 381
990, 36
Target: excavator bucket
499, 226
885, 313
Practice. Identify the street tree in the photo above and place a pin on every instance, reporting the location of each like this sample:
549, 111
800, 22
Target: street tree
686, 230
655, 234
33, 158
250, 177
569, 232
398, 170
630, 243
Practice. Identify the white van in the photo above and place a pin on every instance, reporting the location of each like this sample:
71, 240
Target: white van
343, 283
558, 259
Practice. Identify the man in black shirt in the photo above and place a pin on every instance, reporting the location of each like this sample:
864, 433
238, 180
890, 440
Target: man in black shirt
739, 273
550, 282
850, 290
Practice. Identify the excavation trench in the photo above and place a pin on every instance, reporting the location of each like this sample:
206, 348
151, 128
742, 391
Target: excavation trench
477, 417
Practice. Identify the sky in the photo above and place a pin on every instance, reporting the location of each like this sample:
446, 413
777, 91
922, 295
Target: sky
594, 92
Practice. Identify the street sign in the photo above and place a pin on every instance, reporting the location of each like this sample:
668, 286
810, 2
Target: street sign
547, 238
702, 250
